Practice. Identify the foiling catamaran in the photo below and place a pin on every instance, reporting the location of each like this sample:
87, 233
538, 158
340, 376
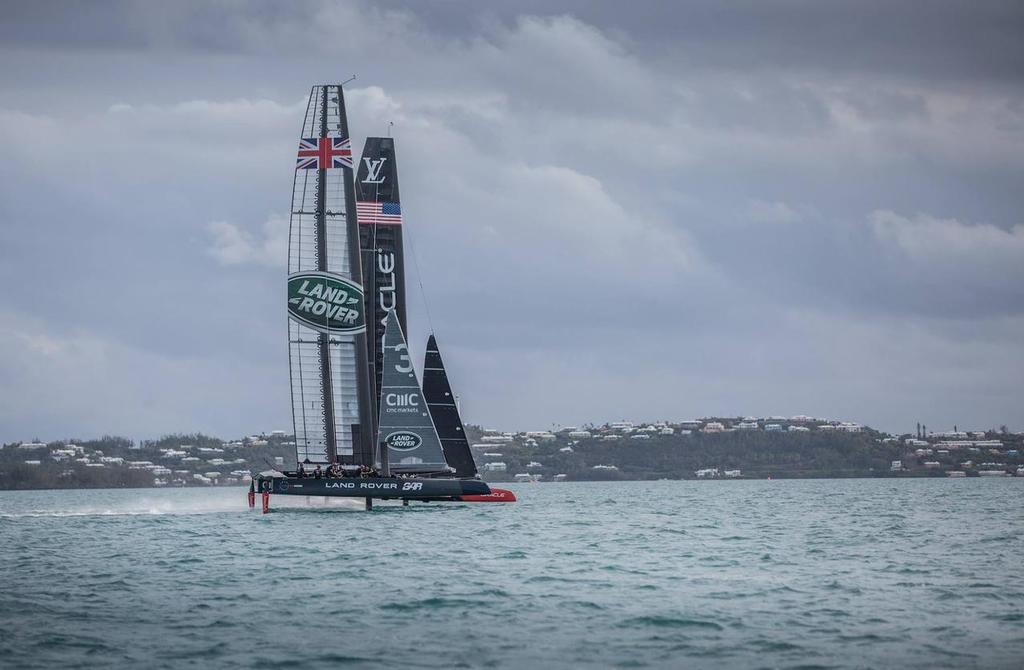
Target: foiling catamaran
356, 401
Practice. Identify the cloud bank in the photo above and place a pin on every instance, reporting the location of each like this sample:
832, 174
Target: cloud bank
809, 208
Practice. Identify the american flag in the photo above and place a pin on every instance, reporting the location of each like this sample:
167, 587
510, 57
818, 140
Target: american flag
324, 153
369, 213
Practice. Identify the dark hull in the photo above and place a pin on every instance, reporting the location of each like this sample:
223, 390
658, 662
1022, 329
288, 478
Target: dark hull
374, 487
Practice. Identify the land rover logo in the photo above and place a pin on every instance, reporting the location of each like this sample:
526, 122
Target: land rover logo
326, 302
403, 440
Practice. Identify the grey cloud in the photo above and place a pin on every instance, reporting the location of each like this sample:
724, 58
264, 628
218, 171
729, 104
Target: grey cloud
692, 209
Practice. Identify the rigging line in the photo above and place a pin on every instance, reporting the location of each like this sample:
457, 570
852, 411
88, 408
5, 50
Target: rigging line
419, 278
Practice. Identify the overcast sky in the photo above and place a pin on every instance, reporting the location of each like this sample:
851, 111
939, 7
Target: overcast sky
679, 210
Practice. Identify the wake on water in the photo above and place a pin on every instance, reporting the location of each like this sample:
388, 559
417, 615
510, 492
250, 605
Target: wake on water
210, 501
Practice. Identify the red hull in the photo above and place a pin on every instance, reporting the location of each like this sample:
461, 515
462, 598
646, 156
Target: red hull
496, 495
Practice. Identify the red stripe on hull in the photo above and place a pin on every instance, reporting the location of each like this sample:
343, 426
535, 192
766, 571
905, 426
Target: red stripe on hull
496, 495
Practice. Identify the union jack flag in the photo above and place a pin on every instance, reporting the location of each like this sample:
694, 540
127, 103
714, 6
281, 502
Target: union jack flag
388, 213
324, 153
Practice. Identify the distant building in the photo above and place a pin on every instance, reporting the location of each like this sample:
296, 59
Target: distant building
799, 429
496, 466
773, 428
706, 473
541, 435
714, 427
747, 425
733, 473
896, 466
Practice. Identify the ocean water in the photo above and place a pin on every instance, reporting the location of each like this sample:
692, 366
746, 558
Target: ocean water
829, 574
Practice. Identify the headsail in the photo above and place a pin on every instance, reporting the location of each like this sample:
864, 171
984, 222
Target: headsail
405, 425
445, 413
331, 394
380, 237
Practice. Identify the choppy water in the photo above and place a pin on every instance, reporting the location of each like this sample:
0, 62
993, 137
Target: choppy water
854, 573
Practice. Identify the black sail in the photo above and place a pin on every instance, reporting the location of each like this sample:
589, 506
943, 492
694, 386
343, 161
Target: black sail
441, 401
380, 239
331, 393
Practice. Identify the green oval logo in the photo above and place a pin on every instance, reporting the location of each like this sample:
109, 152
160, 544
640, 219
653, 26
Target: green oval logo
326, 302
403, 440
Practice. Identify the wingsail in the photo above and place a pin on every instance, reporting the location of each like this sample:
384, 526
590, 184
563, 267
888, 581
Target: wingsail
406, 430
445, 412
379, 208
330, 384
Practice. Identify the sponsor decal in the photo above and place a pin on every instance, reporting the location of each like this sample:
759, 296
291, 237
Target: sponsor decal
362, 486
374, 170
404, 403
403, 440
326, 302
386, 287
412, 486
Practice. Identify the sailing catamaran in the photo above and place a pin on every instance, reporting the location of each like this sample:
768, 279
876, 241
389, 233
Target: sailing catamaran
356, 402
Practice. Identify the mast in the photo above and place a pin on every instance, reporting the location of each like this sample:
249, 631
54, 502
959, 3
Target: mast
331, 387
324, 339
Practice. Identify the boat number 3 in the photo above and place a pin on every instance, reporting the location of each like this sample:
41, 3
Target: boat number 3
403, 357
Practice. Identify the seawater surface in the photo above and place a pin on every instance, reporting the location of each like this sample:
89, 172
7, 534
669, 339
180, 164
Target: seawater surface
826, 573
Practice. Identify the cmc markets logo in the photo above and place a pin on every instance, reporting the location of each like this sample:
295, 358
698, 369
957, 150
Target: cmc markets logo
326, 302
403, 440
